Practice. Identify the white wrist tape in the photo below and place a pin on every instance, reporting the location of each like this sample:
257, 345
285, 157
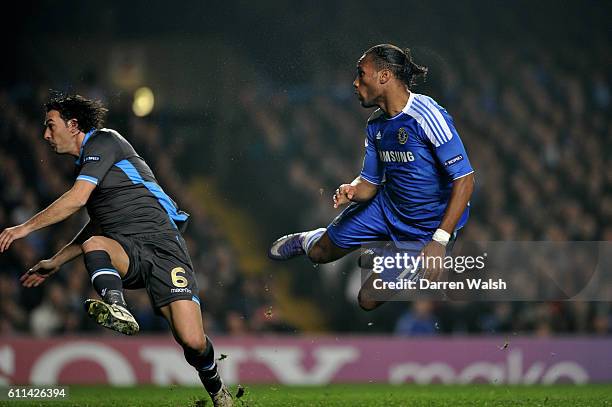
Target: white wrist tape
441, 236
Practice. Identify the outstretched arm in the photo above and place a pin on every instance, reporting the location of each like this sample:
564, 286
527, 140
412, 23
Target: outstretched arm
75, 198
46, 268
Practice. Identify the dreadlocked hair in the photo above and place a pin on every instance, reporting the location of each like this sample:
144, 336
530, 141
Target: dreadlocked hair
398, 61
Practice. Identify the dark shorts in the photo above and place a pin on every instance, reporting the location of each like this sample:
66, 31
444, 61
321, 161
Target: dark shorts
160, 264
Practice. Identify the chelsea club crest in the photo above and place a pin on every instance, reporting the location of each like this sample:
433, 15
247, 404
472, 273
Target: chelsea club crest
402, 136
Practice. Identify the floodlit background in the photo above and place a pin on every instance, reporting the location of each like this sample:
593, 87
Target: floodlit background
246, 114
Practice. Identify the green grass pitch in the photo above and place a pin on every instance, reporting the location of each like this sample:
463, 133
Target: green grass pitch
341, 395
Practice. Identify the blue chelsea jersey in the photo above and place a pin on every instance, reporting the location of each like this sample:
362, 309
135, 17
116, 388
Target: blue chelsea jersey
416, 155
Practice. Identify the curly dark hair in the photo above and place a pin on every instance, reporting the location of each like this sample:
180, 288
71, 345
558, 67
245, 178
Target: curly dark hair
89, 114
398, 61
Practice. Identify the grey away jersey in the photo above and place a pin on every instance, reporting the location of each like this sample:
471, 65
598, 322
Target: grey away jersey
128, 200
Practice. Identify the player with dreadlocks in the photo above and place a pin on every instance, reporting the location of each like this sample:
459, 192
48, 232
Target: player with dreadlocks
416, 180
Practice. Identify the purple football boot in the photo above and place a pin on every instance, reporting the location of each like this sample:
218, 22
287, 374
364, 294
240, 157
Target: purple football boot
287, 247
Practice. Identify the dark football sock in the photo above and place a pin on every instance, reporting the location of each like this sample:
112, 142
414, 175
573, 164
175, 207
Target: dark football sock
105, 279
206, 366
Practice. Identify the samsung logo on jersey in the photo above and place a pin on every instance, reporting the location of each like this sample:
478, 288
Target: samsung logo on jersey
91, 158
453, 160
396, 156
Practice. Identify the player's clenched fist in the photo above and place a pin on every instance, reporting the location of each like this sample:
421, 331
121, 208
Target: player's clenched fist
344, 194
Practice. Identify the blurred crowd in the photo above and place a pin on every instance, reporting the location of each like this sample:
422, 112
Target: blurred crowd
535, 120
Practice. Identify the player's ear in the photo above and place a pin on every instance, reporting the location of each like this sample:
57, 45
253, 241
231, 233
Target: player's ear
384, 76
73, 125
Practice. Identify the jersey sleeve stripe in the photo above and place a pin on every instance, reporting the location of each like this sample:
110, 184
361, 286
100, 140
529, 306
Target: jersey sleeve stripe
438, 119
435, 120
370, 180
442, 122
461, 176
432, 121
429, 129
88, 179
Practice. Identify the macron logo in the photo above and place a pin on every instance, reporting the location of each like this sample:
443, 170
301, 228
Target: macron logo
378, 136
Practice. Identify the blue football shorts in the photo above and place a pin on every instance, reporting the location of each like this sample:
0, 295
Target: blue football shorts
366, 225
